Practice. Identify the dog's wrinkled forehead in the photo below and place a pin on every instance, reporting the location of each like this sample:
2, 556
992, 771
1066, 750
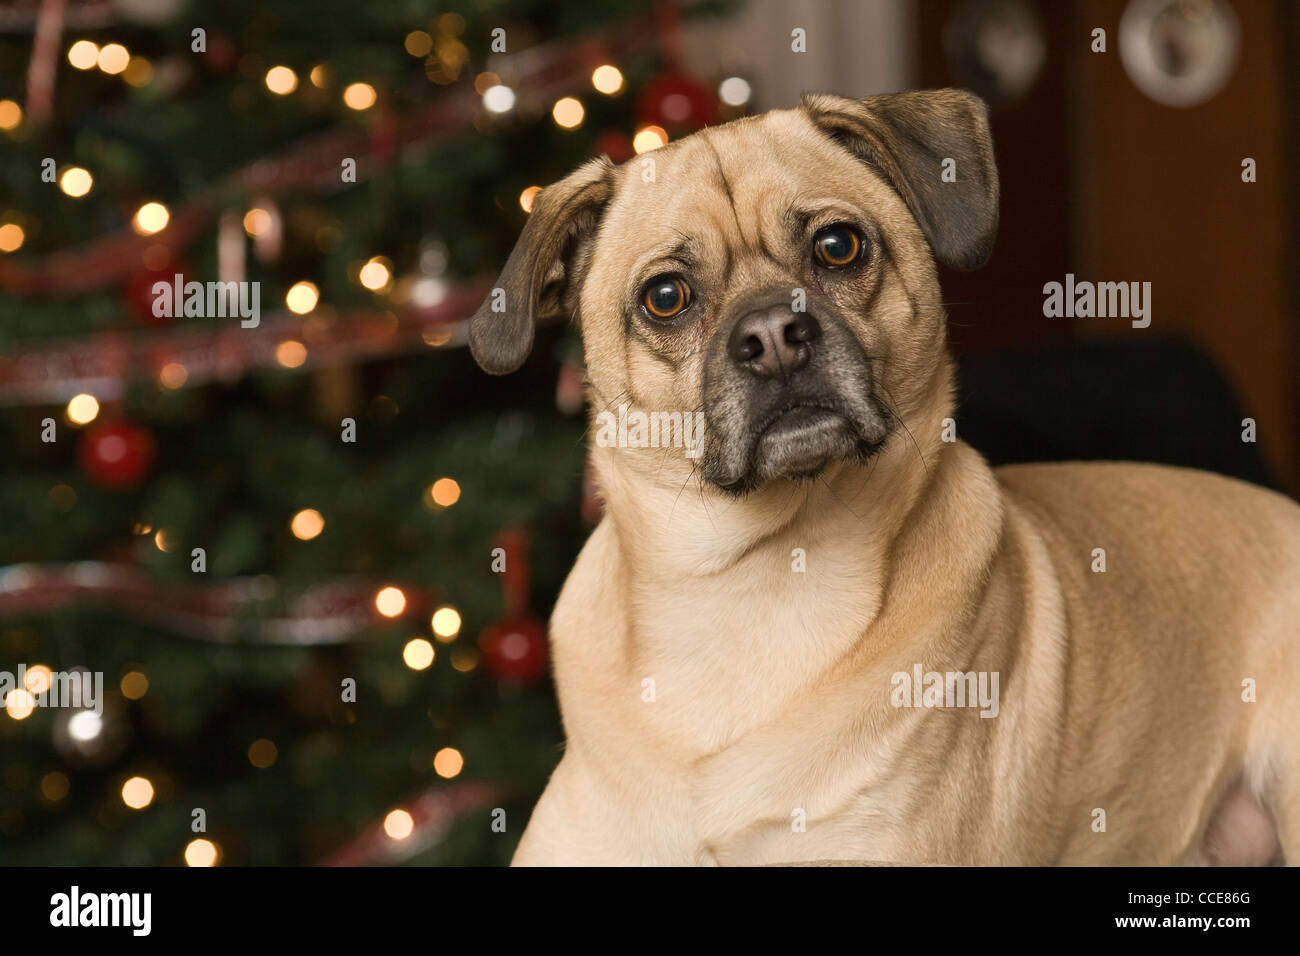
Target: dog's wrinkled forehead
733, 191
919, 164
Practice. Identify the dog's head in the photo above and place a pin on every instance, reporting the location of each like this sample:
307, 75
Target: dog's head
774, 273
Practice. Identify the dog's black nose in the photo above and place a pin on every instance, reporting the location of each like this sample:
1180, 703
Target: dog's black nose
773, 342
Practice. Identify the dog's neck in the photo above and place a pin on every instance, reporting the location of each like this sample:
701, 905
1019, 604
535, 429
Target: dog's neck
809, 566
674, 527
673, 531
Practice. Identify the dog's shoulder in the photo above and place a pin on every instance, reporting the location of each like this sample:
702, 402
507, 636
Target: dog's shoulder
1114, 480
1160, 508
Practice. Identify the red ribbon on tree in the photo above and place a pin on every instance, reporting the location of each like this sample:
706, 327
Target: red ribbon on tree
44, 65
246, 610
432, 814
514, 649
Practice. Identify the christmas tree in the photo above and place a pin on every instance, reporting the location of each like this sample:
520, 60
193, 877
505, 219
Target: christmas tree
262, 510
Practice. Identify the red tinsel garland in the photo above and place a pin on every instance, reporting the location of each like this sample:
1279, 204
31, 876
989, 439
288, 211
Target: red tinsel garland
432, 813
222, 612
220, 350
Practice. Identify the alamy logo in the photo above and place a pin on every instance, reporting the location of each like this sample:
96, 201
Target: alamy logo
82, 690
951, 689
638, 429
211, 300
74, 908
1101, 300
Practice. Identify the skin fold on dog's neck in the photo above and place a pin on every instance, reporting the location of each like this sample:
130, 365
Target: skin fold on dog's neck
684, 545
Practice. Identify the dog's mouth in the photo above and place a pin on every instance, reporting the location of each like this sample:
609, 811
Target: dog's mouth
798, 441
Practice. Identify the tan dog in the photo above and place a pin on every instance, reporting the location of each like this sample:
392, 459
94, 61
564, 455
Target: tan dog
738, 647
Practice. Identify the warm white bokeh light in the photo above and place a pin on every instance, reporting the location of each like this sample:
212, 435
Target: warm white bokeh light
448, 762
499, 99
359, 96
150, 218
648, 138
82, 409
281, 80
201, 853
19, 703
302, 297
375, 274
307, 524
11, 237
291, 354
83, 54
113, 58
734, 91
445, 492
418, 654
76, 182
137, 793
446, 622
390, 601
568, 113
607, 79
399, 825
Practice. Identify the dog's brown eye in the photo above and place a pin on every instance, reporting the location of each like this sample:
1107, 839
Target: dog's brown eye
666, 296
836, 246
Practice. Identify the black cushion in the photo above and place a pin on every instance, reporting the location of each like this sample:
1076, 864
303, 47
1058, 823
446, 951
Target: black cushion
1156, 399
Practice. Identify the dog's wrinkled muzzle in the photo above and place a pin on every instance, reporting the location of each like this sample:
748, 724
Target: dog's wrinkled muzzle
786, 393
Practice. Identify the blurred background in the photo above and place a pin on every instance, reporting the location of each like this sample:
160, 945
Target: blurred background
313, 557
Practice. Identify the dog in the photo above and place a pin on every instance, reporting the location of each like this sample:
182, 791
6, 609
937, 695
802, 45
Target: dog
754, 652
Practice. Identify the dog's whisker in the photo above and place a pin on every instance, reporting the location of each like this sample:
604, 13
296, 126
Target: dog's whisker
892, 407
627, 391
704, 502
673, 509
871, 470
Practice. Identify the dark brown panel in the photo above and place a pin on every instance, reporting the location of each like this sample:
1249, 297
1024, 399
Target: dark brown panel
1162, 200
1002, 303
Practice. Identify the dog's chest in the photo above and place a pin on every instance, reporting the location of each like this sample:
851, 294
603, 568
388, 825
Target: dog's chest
724, 654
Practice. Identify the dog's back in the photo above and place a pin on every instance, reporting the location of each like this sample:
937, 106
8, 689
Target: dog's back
1182, 591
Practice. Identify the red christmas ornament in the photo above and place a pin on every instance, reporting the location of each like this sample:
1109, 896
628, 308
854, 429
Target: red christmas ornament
615, 144
514, 649
221, 55
675, 101
137, 292
115, 455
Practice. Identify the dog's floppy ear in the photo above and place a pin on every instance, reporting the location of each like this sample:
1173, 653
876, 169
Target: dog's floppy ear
908, 137
539, 277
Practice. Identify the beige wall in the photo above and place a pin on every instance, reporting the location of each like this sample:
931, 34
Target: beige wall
855, 48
